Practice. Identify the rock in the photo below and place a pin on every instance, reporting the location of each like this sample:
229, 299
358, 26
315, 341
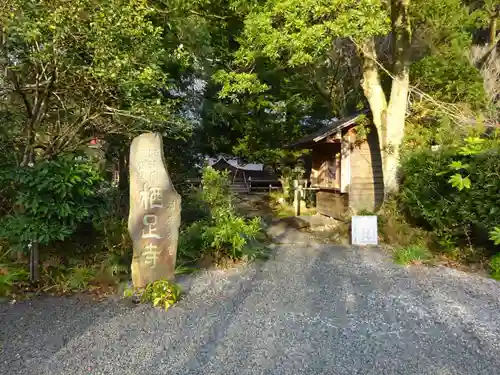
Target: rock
155, 209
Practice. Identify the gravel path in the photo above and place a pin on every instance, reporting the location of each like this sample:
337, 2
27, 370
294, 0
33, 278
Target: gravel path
312, 309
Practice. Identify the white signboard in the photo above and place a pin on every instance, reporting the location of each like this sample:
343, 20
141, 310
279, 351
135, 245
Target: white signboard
364, 230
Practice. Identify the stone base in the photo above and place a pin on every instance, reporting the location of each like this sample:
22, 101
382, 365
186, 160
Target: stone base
143, 275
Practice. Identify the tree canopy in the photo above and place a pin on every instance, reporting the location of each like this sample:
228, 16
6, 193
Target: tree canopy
233, 76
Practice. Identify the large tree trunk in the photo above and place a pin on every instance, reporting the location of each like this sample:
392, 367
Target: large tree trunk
395, 118
372, 87
396, 111
389, 117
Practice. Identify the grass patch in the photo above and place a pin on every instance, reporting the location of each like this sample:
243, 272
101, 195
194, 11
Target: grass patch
413, 254
281, 208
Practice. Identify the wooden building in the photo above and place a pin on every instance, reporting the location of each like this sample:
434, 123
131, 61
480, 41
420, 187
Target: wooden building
346, 167
246, 177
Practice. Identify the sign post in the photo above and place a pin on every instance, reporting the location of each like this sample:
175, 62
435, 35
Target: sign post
364, 230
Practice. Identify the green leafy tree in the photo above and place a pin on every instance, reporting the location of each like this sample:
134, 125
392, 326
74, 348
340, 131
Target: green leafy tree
73, 69
311, 34
367, 47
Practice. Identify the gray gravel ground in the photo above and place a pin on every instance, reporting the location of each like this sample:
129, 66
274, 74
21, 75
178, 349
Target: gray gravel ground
312, 309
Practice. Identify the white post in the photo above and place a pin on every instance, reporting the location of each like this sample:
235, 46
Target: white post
296, 197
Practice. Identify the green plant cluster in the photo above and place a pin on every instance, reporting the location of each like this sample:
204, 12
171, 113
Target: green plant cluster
456, 191
495, 267
9, 276
66, 206
62, 275
51, 199
223, 234
411, 254
161, 293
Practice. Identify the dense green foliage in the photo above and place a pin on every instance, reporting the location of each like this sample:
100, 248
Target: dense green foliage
455, 191
495, 267
223, 234
76, 68
51, 200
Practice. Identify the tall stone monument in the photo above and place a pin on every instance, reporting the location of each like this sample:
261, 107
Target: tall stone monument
155, 208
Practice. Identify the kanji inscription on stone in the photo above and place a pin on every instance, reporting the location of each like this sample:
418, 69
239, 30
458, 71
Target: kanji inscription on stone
154, 217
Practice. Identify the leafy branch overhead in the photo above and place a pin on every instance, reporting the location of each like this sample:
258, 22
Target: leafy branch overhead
83, 67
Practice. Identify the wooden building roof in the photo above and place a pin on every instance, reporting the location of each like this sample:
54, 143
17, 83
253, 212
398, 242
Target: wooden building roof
311, 139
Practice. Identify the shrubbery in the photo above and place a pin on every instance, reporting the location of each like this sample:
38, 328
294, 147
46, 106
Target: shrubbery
223, 234
67, 207
51, 200
161, 293
455, 191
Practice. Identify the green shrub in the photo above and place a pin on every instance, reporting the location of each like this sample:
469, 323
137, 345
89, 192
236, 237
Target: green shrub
192, 243
53, 198
495, 235
223, 234
79, 277
411, 254
395, 230
114, 236
495, 267
455, 191
162, 293
216, 191
194, 208
9, 275
225, 237
231, 236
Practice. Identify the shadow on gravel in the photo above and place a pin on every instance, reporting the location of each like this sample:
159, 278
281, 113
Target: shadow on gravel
214, 324
311, 310
31, 331
390, 322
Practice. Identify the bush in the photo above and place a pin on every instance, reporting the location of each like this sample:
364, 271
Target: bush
216, 191
192, 242
52, 199
78, 278
454, 193
223, 234
161, 293
194, 208
411, 254
9, 275
495, 267
395, 230
230, 236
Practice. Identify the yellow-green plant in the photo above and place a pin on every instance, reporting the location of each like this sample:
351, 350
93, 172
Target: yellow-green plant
161, 293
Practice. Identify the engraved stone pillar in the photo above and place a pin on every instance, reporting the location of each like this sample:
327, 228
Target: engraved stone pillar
155, 212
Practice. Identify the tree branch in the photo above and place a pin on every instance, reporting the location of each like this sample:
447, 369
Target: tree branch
480, 62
